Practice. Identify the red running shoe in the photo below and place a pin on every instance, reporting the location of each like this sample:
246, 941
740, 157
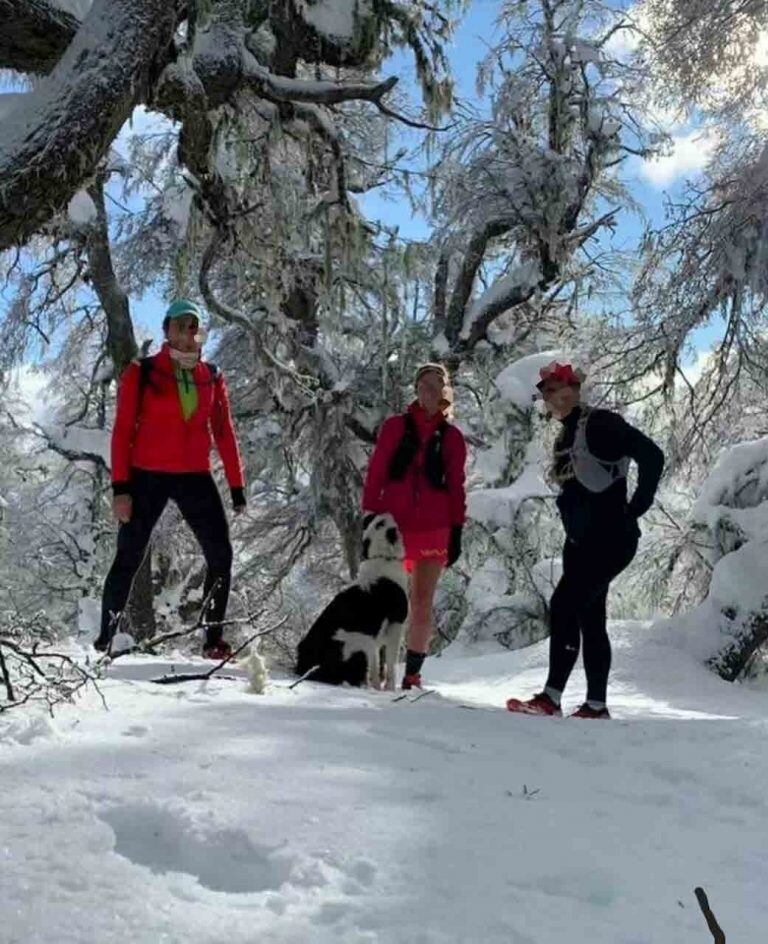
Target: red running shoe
586, 712
218, 652
411, 681
540, 704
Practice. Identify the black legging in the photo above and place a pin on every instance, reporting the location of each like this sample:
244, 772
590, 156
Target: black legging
577, 610
199, 502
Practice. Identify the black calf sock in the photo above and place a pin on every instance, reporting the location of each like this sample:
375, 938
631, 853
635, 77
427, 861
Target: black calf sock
213, 635
414, 662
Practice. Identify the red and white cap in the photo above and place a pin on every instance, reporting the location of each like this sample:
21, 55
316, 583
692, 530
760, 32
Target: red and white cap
565, 373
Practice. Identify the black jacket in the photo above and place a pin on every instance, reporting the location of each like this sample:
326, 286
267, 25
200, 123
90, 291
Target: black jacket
588, 516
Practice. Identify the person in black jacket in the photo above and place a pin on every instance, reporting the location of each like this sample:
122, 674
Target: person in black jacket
590, 462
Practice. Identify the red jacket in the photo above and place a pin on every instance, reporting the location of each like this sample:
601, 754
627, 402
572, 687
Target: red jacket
415, 504
151, 433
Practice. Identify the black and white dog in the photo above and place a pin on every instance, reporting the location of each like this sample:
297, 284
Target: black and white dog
345, 641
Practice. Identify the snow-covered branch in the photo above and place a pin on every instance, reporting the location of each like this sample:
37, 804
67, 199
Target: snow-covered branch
34, 35
513, 289
77, 443
278, 88
56, 135
470, 263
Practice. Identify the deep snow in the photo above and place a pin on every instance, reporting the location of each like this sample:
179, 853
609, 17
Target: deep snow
201, 813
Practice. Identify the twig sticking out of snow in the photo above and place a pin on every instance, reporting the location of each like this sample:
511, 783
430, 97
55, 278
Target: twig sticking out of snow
717, 932
153, 643
422, 694
303, 677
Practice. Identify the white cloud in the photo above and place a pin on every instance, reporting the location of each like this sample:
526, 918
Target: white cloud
690, 153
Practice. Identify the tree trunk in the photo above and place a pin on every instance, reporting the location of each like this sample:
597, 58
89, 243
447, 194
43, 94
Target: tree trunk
121, 341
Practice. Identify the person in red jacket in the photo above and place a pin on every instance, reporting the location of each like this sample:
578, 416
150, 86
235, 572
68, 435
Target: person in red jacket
169, 409
416, 473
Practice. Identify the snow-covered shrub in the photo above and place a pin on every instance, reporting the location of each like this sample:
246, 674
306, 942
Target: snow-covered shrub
730, 626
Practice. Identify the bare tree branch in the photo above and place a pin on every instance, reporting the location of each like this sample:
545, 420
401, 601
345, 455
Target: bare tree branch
473, 259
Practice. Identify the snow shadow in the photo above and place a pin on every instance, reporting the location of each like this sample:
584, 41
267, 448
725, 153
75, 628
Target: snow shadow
223, 860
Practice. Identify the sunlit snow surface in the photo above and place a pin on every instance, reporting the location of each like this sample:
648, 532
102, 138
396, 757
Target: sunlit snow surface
200, 813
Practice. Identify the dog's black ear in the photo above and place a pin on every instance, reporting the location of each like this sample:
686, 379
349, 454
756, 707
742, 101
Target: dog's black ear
368, 518
366, 548
392, 535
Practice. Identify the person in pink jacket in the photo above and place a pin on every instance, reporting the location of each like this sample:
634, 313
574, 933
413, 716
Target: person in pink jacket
417, 473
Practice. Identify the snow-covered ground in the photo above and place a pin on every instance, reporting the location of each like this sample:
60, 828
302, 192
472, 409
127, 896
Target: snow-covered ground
200, 813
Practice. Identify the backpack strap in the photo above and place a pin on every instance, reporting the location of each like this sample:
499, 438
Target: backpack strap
434, 457
145, 368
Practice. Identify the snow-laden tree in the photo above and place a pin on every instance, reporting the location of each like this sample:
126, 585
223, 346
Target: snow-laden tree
186, 60
528, 189
709, 262
707, 51
58, 528
525, 197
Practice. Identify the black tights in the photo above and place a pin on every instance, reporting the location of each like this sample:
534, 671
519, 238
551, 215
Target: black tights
577, 610
199, 502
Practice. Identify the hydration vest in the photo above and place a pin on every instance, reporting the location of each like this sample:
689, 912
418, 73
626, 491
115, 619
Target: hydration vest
596, 475
434, 464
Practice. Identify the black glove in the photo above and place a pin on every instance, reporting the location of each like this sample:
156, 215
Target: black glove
238, 498
454, 544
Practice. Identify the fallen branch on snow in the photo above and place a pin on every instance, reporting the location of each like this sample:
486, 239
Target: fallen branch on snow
204, 676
